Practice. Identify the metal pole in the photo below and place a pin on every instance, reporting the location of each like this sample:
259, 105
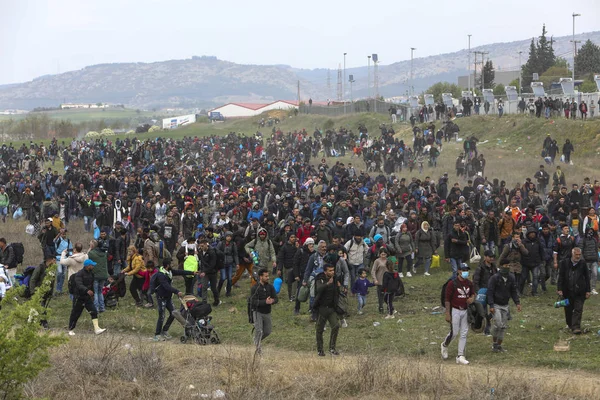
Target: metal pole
469, 62
369, 76
344, 84
520, 74
412, 87
574, 48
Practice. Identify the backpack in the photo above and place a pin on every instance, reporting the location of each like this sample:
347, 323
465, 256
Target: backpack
19, 252
71, 286
220, 258
27, 275
154, 282
443, 294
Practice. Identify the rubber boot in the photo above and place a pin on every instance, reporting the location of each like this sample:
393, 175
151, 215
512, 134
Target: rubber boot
97, 329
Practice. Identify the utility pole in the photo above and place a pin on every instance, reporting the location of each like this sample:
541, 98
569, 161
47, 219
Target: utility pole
339, 83
298, 93
328, 84
475, 71
351, 80
469, 62
412, 86
483, 54
375, 80
574, 47
520, 72
369, 76
344, 83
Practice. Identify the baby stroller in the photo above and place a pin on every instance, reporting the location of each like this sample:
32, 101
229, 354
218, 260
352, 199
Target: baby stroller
114, 289
198, 325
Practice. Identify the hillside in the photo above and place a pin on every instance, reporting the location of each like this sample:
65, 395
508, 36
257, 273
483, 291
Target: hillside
205, 81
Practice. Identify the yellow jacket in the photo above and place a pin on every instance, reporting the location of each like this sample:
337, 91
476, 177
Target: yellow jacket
135, 264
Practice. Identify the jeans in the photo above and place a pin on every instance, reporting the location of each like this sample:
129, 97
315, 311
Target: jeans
380, 297
60, 277
409, 262
455, 263
262, 328
226, 272
353, 269
460, 326
425, 261
500, 321
490, 245
98, 296
362, 301
116, 268
173, 314
535, 272
389, 300
593, 267
87, 223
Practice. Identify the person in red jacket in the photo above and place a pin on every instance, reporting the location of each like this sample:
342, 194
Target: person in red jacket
305, 231
147, 275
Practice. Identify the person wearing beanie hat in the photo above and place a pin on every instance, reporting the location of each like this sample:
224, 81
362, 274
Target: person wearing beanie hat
230, 252
83, 297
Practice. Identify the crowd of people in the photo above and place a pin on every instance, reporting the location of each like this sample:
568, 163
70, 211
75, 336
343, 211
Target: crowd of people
215, 208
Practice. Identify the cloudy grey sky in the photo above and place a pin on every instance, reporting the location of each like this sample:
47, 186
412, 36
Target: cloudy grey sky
39, 37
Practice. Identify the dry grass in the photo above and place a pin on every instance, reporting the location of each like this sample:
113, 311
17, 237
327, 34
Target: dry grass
127, 368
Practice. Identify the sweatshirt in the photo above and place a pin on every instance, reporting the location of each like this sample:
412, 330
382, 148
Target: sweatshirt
361, 286
458, 297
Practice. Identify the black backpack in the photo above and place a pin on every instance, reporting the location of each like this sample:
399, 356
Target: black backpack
19, 252
443, 294
71, 286
154, 282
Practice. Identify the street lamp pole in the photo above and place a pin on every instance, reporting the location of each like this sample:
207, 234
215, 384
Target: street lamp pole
369, 76
351, 80
469, 62
520, 72
574, 47
412, 87
344, 84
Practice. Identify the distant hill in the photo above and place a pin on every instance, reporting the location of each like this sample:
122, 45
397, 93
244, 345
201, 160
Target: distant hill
206, 81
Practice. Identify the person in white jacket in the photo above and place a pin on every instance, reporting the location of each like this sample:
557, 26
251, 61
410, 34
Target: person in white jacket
74, 263
357, 251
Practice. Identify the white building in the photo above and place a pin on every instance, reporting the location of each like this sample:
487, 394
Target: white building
67, 106
239, 110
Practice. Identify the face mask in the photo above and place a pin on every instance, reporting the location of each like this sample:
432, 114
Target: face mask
464, 274
504, 272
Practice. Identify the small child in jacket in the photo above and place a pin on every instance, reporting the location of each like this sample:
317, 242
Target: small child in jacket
147, 275
361, 289
391, 284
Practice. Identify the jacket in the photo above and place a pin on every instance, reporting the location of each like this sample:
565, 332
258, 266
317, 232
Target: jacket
547, 245
315, 262
506, 226
207, 261
500, 292
135, 265
488, 229
326, 294
573, 280
84, 281
164, 289
535, 252
425, 243
404, 244
357, 253
300, 261
285, 258
37, 278
151, 252
73, 263
265, 250
361, 286
590, 250
7, 256
391, 282
460, 249
101, 268
482, 275
512, 254
258, 297
342, 274
378, 270
230, 251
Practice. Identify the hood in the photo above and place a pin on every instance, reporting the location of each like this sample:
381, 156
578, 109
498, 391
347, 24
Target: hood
530, 230
79, 257
425, 226
263, 230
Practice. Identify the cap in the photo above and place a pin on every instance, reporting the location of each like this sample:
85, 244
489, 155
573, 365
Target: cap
489, 253
49, 219
377, 237
309, 241
464, 267
88, 262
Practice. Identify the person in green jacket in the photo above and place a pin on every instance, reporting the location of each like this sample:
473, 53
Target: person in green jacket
100, 274
4, 202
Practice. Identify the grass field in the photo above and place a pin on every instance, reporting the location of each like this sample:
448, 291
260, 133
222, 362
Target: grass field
83, 115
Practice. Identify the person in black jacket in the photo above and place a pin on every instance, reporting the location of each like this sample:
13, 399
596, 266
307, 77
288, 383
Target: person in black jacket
458, 244
326, 296
285, 263
83, 297
300, 262
574, 285
484, 271
532, 261
262, 296
501, 288
164, 292
208, 268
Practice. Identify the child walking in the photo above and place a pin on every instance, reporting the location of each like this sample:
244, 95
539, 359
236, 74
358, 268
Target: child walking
361, 289
391, 284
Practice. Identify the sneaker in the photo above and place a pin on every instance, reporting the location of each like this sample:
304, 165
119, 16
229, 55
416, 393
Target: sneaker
594, 291
71, 333
462, 360
495, 348
321, 353
296, 312
45, 325
360, 312
500, 349
401, 275
217, 303
444, 351
167, 336
414, 270
148, 305
158, 338
344, 323
389, 316
427, 274
408, 275
334, 352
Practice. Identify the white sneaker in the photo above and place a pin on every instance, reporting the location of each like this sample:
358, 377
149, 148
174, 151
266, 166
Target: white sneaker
401, 275
344, 323
594, 291
389, 316
71, 333
427, 274
444, 351
408, 274
100, 331
462, 360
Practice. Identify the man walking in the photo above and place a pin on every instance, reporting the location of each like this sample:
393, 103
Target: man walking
325, 300
501, 288
459, 294
83, 297
574, 285
262, 296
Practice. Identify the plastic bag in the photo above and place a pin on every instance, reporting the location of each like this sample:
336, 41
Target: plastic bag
435, 261
18, 213
475, 257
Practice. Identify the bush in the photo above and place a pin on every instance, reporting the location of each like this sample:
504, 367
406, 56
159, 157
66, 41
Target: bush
154, 128
24, 346
107, 132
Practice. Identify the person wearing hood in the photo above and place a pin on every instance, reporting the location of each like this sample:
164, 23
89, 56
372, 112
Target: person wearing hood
100, 274
377, 271
74, 262
262, 245
502, 286
301, 258
255, 212
83, 297
512, 253
357, 253
531, 261
230, 251
425, 247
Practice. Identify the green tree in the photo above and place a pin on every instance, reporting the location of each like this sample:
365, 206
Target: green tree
515, 83
545, 52
25, 347
488, 75
553, 74
588, 86
530, 67
444, 87
541, 57
499, 90
587, 60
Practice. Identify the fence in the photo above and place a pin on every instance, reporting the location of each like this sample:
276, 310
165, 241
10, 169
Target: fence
360, 106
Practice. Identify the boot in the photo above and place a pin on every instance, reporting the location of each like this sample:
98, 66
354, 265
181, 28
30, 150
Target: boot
97, 329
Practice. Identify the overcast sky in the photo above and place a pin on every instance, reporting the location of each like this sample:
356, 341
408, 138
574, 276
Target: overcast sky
39, 37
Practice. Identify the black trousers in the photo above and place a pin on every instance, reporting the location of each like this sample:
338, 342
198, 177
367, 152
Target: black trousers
135, 287
213, 279
574, 312
78, 305
327, 314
